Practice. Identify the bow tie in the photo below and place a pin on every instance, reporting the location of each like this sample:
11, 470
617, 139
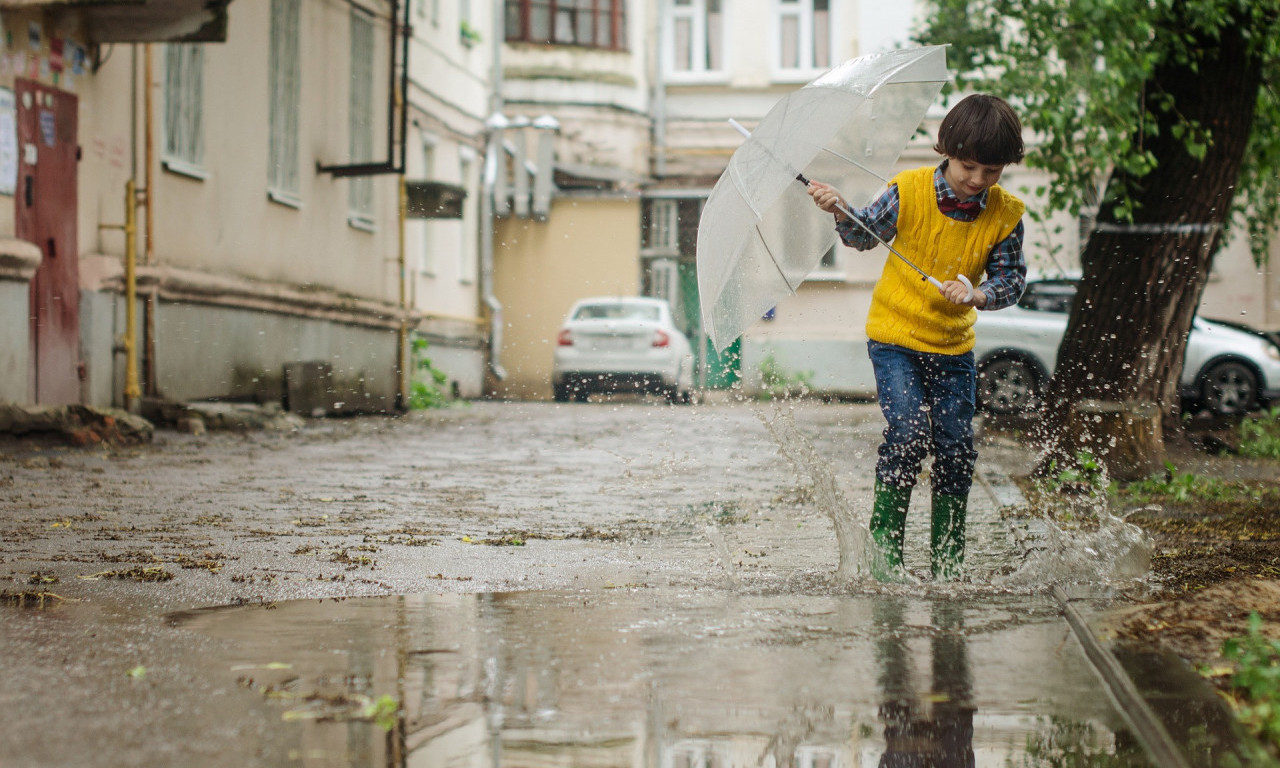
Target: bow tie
949, 204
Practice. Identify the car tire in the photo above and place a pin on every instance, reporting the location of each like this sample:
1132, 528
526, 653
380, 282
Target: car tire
1008, 385
1229, 387
560, 392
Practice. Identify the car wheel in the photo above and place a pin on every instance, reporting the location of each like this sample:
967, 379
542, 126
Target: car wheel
1229, 387
560, 392
1008, 385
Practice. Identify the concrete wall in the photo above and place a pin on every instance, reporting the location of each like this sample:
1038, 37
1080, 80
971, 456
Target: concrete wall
588, 247
15, 348
252, 347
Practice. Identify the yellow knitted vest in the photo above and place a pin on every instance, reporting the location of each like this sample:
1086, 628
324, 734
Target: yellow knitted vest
905, 309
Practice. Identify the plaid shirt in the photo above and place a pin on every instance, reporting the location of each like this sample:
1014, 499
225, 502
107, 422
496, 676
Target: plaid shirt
1006, 266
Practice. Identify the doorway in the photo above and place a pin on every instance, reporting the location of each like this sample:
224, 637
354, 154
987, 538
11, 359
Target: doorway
46, 215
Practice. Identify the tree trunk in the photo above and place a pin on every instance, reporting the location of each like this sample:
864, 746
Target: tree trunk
1141, 282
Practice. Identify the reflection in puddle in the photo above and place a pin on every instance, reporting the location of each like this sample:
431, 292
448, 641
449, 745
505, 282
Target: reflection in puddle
665, 679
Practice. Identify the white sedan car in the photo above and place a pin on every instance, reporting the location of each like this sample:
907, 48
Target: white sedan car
1226, 370
611, 344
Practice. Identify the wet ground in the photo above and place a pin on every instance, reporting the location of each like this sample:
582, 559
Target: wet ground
620, 583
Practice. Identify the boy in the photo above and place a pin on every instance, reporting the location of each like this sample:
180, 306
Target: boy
949, 220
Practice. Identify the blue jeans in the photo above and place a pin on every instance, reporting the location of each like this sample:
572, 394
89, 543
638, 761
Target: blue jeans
928, 401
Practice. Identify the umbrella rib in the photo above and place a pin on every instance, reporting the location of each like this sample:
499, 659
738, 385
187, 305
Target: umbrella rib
773, 260
854, 163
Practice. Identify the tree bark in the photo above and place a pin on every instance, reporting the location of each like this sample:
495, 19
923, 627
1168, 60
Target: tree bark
1141, 282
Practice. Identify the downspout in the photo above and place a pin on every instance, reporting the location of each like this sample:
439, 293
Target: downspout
660, 97
403, 374
148, 230
492, 155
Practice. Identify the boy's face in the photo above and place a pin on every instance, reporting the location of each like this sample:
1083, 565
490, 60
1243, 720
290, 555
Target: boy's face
969, 177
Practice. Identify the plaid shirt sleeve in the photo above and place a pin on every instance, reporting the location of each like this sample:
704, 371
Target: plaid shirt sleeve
1006, 272
881, 217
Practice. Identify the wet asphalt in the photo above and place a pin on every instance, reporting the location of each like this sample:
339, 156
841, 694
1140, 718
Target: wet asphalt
621, 582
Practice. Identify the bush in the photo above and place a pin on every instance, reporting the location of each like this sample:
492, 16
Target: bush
1260, 436
778, 382
426, 390
1254, 690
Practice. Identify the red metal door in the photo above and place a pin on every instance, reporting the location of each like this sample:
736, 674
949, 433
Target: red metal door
46, 215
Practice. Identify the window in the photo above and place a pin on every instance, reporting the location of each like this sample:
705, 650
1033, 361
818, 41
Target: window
183, 108
360, 119
467, 253
426, 256
803, 35
664, 227
590, 23
695, 37
286, 98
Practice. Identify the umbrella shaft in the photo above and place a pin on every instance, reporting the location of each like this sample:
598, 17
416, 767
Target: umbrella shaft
849, 214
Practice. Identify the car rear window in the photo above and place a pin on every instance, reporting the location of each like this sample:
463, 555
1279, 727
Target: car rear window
616, 312
1048, 297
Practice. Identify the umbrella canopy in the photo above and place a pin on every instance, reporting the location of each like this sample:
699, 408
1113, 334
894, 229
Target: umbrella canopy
760, 234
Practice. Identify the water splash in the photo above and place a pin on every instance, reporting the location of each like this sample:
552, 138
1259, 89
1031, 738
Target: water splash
1082, 552
1051, 553
1116, 550
852, 531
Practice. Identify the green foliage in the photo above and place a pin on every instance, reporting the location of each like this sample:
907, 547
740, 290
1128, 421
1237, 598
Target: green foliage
1255, 685
778, 382
426, 390
468, 34
1085, 475
1177, 486
1092, 93
1260, 436
383, 711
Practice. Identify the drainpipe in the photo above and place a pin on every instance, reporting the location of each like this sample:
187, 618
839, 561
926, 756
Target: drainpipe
402, 337
493, 153
660, 97
148, 229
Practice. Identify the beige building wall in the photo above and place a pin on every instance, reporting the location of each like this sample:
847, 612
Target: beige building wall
587, 247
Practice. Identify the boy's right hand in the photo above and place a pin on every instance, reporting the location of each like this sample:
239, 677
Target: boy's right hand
826, 198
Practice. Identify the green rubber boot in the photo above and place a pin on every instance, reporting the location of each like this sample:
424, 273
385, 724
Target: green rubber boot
946, 543
888, 529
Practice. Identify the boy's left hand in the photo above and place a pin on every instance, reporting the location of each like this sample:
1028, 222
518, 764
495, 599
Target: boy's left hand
955, 292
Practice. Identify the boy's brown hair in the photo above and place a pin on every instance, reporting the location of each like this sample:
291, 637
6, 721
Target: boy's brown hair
983, 129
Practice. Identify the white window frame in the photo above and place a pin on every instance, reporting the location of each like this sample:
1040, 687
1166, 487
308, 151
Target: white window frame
664, 226
426, 255
360, 119
183, 150
468, 269
802, 12
285, 77
696, 15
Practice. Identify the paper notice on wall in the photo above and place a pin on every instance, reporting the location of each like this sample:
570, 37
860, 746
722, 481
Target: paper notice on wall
8, 143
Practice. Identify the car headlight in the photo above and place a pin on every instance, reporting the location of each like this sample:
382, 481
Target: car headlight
1273, 352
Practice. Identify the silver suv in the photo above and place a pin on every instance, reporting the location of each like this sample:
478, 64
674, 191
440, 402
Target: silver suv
1228, 369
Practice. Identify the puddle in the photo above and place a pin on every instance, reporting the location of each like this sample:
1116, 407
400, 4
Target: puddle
661, 678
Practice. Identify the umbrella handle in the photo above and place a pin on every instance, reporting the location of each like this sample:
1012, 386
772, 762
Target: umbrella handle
936, 283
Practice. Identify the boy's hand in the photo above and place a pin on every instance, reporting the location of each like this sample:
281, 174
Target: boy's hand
826, 197
955, 292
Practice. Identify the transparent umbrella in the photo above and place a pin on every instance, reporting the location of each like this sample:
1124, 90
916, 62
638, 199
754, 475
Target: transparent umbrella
760, 234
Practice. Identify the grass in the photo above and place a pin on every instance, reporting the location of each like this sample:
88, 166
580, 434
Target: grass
1260, 436
1254, 690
